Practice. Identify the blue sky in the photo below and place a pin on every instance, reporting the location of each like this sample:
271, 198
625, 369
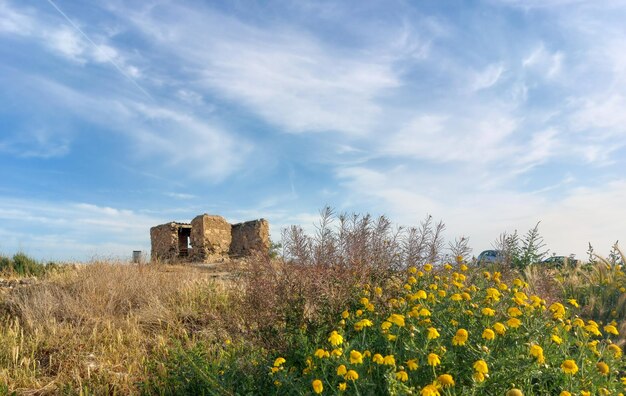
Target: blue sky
490, 115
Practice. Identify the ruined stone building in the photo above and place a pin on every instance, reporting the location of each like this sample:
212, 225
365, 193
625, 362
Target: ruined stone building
209, 238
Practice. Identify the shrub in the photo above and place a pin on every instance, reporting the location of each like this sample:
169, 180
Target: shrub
438, 333
23, 265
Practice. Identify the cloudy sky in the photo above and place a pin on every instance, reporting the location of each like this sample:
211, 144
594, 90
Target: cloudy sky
491, 115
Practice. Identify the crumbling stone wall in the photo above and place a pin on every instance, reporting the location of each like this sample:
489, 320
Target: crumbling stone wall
210, 238
164, 240
250, 237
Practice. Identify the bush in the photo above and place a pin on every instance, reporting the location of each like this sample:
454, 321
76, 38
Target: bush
23, 265
442, 333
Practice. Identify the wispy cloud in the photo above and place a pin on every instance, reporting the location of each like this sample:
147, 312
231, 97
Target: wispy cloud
286, 76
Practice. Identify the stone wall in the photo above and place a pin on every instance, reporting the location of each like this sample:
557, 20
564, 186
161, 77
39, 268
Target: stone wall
164, 239
250, 237
210, 238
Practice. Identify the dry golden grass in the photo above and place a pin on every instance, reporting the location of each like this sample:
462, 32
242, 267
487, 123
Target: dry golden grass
98, 323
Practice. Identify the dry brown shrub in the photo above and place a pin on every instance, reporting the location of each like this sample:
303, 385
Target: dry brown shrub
98, 323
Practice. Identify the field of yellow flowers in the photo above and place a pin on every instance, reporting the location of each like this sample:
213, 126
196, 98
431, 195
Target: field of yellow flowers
456, 331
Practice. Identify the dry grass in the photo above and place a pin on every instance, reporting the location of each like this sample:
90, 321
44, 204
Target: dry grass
98, 323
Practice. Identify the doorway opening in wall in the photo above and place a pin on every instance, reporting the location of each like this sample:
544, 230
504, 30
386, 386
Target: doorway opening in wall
184, 241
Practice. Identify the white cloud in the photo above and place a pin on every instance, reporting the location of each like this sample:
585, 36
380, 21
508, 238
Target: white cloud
544, 62
569, 218
487, 78
455, 138
286, 76
13, 21
71, 230
68, 43
37, 143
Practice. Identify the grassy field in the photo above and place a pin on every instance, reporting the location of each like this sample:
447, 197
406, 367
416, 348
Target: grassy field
325, 320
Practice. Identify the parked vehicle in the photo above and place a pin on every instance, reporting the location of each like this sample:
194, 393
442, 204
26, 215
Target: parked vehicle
489, 257
561, 261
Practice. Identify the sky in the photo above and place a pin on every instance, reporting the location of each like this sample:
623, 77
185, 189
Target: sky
489, 115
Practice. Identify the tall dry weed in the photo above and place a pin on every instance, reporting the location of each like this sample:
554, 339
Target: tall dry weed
96, 325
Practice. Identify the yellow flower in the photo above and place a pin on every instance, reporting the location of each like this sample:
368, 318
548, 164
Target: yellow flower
432, 333
593, 329
378, 291
356, 357
499, 328
556, 339
358, 326
342, 386
493, 294
412, 270
279, 361
603, 368
378, 358
428, 267
611, 329
396, 319
466, 296
617, 351
402, 376
335, 338
488, 311
320, 353
537, 352
424, 312
386, 325
337, 352
514, 312
573, 302
391, 337
558, 310
514, 392
318, 387
352, 375
389, 360
478, 377
565, 393
412, 364
456, 297
433, 359
345, 314
488, 334
342, 370
578, 322
569, 367
412, 280
481, 366
513, 323
430, 390
445, 380
460, 338
463, 267
585, 393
